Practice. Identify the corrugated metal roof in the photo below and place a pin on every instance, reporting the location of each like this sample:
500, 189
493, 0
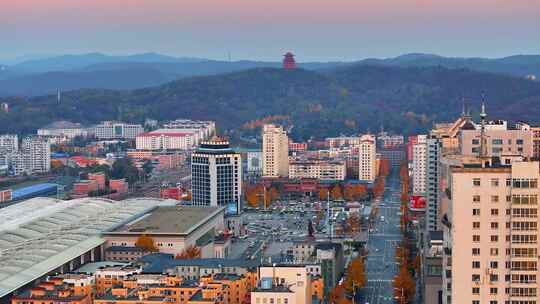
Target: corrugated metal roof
39, 235
33, 189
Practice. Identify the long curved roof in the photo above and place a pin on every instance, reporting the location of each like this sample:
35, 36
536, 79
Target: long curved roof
39, 235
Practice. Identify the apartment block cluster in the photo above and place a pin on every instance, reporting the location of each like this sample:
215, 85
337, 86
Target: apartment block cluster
341, 156
31, 156
479, 237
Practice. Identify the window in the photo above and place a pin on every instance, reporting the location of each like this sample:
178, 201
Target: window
476, 212
494, 182
476, 182
475, 302
476, 198
494, 264
476, 264
493, 290
494, 198
476, 251
494, 277
519, 141
494, 251
494, 212
497, 141
476, 238
476, 290
475, 141
494, 225
476, 225
494, 238
475, 278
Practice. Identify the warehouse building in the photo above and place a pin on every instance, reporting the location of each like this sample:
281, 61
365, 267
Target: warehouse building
43, 236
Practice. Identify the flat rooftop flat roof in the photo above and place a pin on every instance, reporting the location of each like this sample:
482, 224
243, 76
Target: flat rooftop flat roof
180, 220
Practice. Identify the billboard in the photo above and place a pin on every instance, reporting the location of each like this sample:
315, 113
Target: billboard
417, 203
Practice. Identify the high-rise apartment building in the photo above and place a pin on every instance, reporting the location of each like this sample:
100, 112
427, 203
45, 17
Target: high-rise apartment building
275, 151
419, 165
433, 155
9, 143
216, 175
491, 231
34, 156
367, 160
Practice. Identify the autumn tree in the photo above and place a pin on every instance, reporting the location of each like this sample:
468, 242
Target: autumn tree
360, 192
404, 286
336, 194
337, 296
191, 252
348, 192
323, 194
146, 242
384, 167
252, 197
188, 196
356, 275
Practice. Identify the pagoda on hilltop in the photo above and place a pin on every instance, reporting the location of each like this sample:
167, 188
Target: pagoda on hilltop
288, 61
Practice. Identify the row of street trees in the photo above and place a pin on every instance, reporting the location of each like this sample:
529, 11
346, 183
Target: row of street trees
404, 283
257, 195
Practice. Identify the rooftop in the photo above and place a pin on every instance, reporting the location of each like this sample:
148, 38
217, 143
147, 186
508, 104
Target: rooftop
180, 220
41, 234
160, 262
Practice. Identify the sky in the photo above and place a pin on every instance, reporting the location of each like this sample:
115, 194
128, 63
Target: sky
315, 30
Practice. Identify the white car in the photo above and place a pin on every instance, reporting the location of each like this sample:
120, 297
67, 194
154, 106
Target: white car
382, 218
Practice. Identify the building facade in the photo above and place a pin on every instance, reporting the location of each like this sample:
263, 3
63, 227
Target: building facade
164, 139
33, 157
116, 130
491, 232
419, 165
275, 151
367, 158
319, 169
216, 175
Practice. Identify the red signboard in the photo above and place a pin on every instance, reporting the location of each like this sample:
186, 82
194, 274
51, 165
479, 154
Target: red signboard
417, 203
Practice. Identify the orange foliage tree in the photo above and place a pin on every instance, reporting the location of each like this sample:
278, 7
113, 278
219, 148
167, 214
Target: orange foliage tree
191, 252
323, 194
336, 194
384, 167
337, 296
356, 275
404, 286
146, 242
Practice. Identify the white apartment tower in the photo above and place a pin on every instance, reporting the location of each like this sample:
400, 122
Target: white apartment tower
216, 175
419, 165
491, 233
33, 157
367, 160
9, 143
275, 151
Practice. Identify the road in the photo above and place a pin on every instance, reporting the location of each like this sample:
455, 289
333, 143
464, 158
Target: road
381, 267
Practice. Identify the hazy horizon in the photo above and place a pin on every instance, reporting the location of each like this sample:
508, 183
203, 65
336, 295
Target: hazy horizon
315, 30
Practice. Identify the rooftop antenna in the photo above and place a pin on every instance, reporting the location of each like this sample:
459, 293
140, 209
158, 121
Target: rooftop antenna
483, 115
58, 96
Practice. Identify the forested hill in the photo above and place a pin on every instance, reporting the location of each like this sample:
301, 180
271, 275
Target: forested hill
344, 101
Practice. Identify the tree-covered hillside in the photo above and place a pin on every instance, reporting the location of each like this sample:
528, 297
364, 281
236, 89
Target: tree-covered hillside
348, 100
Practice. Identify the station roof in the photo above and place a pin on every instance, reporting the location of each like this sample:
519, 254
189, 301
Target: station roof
181, 220
39, 235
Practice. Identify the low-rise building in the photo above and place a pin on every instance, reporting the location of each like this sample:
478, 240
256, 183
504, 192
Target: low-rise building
318, 169
173, 229
116, 130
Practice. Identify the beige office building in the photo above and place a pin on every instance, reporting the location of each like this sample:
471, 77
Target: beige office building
490, 232
319, 169
367, 160
275, 151
295, 278
499, 142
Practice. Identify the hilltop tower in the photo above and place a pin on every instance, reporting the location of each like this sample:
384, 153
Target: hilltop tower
288, 61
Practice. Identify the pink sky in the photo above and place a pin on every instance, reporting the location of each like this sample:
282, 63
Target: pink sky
94, 25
